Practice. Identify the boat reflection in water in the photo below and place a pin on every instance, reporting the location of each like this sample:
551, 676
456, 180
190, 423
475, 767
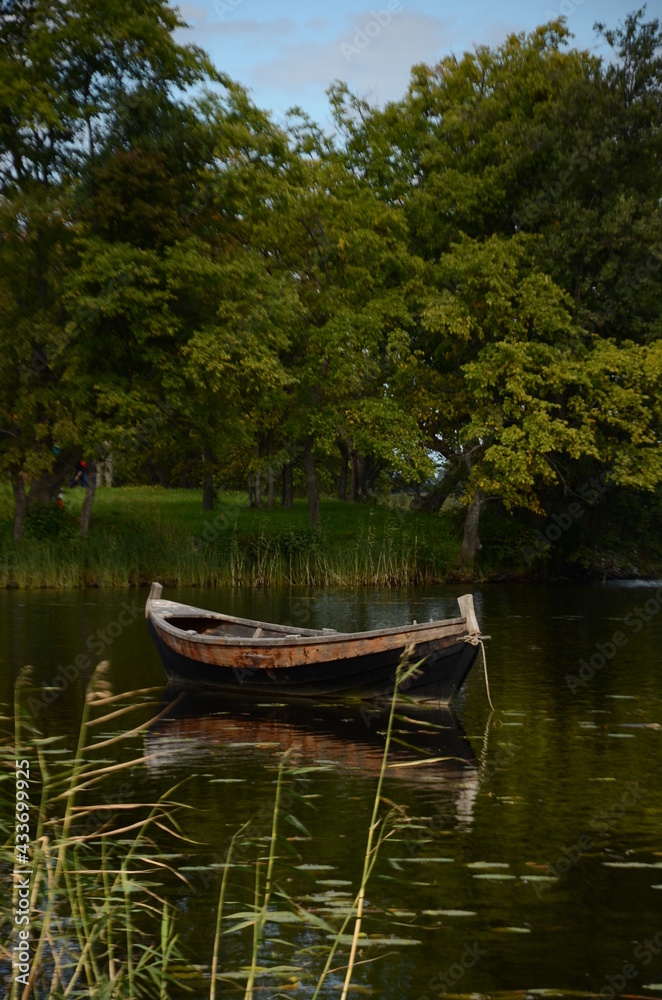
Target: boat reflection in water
428, 745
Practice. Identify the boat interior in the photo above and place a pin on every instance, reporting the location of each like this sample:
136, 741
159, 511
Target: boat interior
231, 629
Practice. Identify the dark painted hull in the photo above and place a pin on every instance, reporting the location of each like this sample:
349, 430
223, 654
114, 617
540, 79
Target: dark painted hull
447, 662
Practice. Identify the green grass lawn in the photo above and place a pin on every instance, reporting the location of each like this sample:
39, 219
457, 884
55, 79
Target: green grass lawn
139, 534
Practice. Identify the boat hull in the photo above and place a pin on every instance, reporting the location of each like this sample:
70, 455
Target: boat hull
309, 664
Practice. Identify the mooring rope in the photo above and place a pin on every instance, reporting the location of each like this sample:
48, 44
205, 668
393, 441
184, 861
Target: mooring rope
475, 640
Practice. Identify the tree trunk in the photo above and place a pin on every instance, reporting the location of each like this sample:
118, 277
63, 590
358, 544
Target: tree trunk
344, 471
20, 507
207, 481
258, 490
270, 488
471, 541
288, 486
154, 471
432, 501
360, 476
105, 467
312, 489
370, 472
354, 477
84, 524
43, 490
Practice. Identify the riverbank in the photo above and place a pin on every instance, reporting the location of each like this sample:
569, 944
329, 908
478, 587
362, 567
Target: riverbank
139, 534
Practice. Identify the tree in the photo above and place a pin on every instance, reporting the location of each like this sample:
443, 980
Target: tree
230, 365
525, 388
65, 75
354, 277
524, 335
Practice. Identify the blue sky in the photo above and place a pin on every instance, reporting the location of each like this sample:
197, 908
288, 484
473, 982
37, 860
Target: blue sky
288, 53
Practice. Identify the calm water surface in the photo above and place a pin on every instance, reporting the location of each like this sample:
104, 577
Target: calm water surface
533, 859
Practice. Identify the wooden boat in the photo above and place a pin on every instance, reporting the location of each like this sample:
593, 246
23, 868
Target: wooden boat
206, 649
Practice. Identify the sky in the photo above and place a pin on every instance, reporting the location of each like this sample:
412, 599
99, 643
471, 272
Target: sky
288, 53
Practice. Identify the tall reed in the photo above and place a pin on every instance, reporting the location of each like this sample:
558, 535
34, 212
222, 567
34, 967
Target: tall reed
86, 903
140, 535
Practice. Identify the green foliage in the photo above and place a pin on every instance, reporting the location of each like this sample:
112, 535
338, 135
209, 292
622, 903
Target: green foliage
530, 182
67, 80
472, 270
47, 521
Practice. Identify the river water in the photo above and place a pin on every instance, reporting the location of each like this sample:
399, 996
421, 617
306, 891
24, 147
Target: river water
528, 860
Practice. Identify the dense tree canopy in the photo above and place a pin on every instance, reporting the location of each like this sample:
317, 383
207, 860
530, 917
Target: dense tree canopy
471, 271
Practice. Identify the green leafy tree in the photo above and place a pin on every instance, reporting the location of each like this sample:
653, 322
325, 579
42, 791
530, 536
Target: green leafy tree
534, 345
67, 74
355, 279
526, 389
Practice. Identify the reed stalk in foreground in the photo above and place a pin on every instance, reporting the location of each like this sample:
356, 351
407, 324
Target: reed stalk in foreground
219, 910
89, 937
101, 931
261, 916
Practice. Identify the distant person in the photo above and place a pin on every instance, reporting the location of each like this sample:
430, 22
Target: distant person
80, 478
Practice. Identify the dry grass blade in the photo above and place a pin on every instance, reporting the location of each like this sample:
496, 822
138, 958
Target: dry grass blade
83, 810
120, 711
162, 864
420, 722
179, 836
101, 772
427, 760
137, 729
82, 838
124, 695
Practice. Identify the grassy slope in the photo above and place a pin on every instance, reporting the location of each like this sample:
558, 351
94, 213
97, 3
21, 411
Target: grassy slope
144, 533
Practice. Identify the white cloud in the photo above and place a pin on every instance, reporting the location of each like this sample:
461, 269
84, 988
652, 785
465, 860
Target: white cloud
212, 29
373, 59
317, 24
265, 30
191, 13
291, 59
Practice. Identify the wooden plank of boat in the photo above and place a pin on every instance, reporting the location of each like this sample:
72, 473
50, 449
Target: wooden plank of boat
206, 649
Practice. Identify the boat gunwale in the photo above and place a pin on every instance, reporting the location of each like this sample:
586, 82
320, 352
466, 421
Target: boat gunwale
291, 635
